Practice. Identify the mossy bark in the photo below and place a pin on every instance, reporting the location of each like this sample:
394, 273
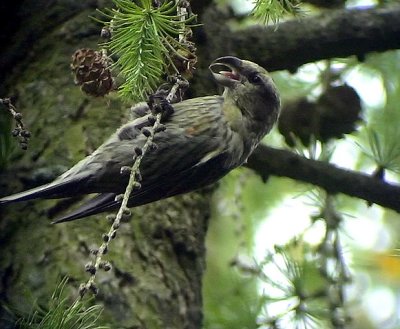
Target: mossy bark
157, 257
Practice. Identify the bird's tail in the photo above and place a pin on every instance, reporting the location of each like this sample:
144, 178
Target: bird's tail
52, 190
99, 203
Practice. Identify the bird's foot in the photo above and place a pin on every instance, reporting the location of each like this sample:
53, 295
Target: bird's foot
159, 104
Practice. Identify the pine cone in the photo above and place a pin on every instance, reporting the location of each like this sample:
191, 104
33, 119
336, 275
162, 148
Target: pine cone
298, 118
92, 73
184, 61
334, 114
340, 109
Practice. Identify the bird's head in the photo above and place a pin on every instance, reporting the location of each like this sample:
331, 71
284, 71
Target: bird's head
250, 87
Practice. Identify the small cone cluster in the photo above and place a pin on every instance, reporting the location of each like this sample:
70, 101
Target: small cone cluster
92, 72
332, 115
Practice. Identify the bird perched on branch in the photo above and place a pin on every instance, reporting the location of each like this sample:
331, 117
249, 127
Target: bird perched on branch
204, 139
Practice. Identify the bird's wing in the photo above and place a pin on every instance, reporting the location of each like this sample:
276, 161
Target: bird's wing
192, 141
192, 133
95, 205
199, 175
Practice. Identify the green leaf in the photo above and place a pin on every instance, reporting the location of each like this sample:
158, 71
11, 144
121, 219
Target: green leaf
143, 39
62, 314
273, 10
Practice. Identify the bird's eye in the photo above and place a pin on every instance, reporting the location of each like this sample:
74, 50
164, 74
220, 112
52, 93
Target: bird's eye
255, 78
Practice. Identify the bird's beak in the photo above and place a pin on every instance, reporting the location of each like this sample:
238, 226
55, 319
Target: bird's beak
227, 78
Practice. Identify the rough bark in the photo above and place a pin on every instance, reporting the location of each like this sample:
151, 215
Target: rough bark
157, 258
336, 33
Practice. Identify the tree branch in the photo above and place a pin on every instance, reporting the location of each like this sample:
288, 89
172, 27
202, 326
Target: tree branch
269, 161
337, 33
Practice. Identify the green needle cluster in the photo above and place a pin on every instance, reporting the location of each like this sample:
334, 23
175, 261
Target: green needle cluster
143, 39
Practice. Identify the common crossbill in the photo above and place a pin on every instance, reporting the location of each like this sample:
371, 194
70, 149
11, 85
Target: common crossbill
204, 139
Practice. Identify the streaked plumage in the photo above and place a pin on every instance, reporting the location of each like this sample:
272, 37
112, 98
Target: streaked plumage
205, 138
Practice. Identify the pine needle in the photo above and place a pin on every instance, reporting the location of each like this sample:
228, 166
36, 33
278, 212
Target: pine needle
143, 38
61, 314
273, 10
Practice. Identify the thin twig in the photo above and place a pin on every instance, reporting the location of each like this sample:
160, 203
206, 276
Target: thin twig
134, 176
20, 130
133, 183
338, 276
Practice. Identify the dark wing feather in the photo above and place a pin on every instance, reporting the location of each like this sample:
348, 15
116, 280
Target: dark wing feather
56, 189
191, 179
97, 204
76, 179
189, 155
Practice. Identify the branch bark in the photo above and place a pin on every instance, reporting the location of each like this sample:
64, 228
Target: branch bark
337, 33
269, 161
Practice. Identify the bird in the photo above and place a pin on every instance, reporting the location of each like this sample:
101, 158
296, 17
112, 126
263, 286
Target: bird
204, 139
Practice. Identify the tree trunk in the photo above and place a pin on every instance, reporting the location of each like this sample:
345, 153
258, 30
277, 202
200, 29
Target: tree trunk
157, 257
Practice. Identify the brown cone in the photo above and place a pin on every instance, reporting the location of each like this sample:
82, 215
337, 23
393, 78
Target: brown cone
92, 73
298, 118
340, 109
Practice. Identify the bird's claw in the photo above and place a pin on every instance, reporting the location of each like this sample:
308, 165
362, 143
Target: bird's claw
159, 104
